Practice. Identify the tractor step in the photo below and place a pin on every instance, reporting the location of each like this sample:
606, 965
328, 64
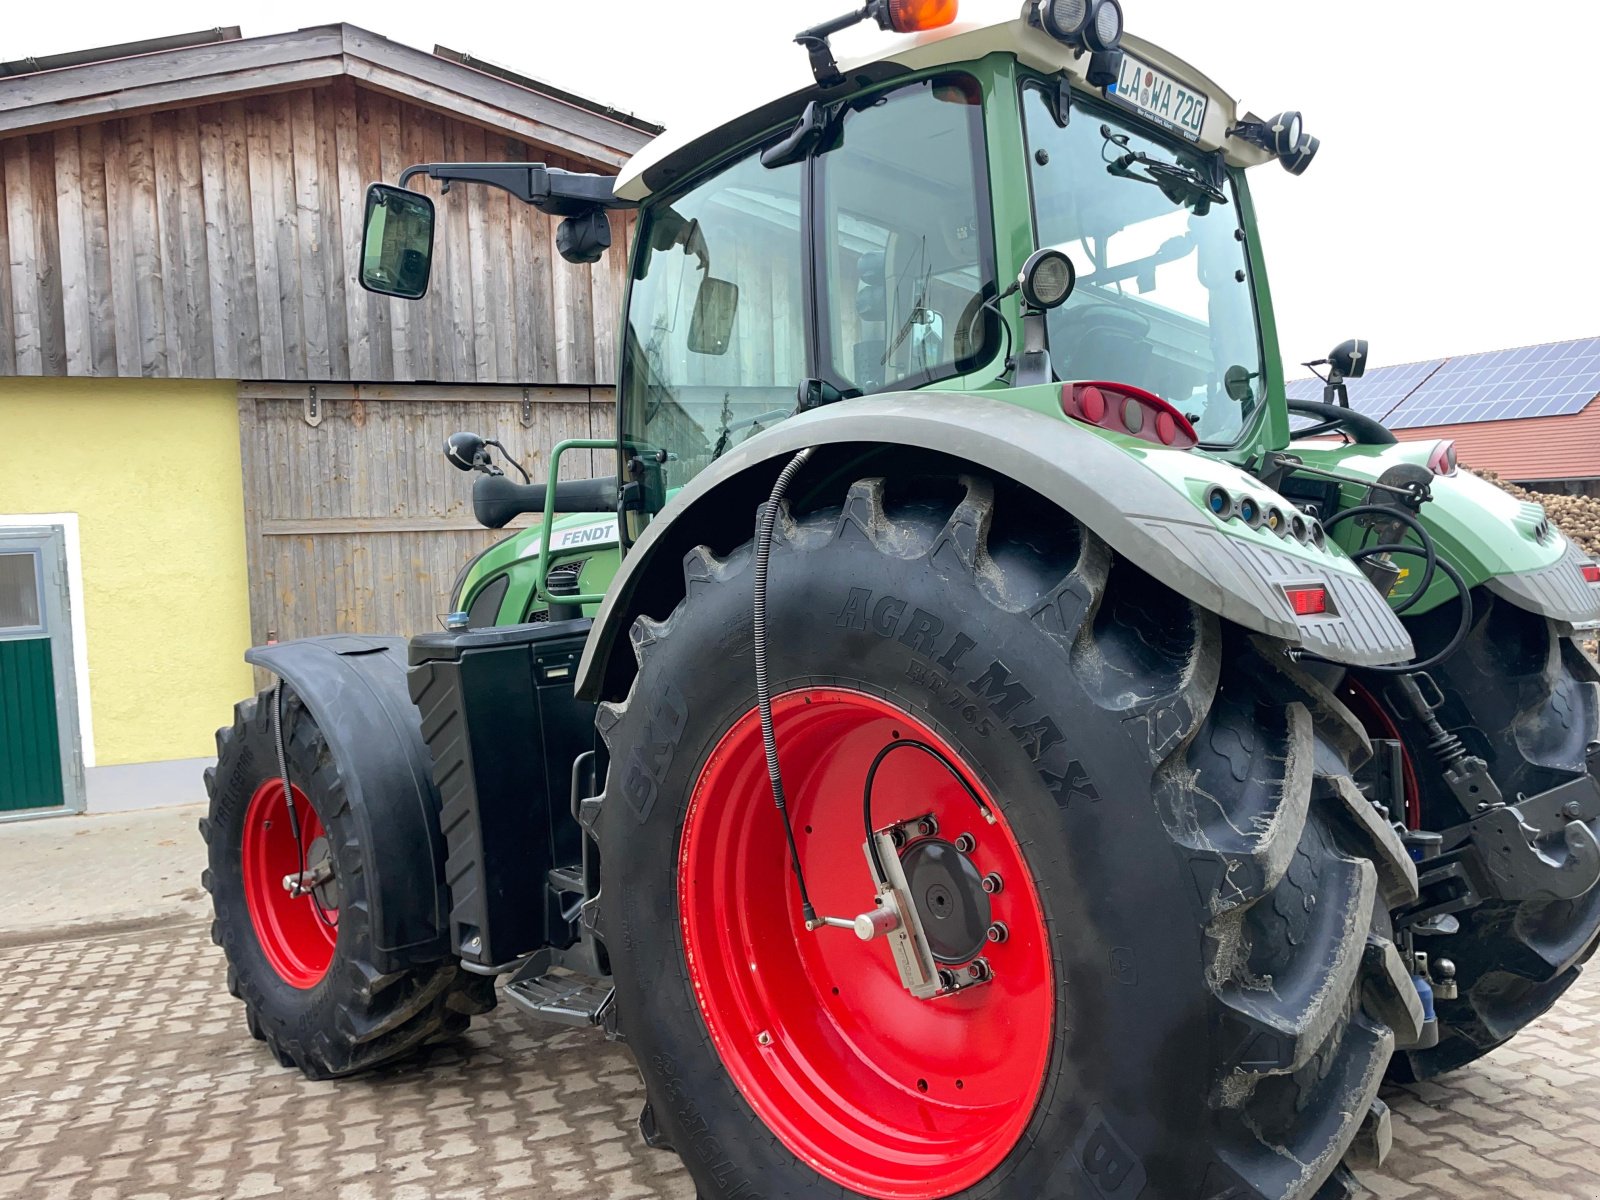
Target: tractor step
562, 997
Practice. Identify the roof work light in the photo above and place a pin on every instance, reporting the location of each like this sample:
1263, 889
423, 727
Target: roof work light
1094, 25
1284, 136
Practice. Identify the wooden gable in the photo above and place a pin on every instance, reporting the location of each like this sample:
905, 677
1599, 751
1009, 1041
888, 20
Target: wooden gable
167, 224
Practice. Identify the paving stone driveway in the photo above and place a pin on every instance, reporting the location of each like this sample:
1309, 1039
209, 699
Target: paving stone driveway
126, 1071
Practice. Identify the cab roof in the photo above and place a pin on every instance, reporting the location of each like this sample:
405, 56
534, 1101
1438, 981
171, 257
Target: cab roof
680, 152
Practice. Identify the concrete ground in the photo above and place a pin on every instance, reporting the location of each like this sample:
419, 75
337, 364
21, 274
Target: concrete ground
126, 1071
117, 871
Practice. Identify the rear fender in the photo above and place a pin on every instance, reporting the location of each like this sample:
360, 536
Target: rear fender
1493, 539
355, 688
1145, 501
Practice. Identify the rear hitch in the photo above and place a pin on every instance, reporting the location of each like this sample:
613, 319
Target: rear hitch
1542, 845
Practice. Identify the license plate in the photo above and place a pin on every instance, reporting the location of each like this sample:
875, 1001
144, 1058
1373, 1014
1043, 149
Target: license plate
1161, 98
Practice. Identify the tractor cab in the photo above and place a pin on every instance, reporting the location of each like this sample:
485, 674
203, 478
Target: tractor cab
868, 236
865, 234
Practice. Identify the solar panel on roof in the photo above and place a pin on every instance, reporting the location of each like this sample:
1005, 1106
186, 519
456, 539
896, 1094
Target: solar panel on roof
1377, 392
1529, 381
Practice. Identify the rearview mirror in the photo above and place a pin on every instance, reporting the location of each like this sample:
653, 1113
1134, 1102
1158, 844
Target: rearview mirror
465, 451
711, 327
397, 242
1349, 359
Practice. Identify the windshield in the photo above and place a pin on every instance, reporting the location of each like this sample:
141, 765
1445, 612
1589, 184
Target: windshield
1163, 299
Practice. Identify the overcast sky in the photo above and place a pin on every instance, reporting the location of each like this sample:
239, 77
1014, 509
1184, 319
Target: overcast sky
1454, 206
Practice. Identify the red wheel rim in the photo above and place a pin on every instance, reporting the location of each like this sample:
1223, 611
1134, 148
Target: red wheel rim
883, 1093
296, 937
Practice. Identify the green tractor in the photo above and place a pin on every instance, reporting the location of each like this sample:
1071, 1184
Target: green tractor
985, 741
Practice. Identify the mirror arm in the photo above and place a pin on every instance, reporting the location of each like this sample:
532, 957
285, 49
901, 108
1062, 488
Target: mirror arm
549, 189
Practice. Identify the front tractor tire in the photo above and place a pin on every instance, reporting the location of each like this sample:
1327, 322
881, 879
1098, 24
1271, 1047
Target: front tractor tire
1192, 991
304, 966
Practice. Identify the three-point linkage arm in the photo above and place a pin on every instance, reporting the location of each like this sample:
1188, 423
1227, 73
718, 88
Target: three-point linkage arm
583, 200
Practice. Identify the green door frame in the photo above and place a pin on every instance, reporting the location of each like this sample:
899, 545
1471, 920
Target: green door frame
47, 544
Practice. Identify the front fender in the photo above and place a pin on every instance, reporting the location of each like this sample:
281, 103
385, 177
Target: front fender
1144, 500
355, 687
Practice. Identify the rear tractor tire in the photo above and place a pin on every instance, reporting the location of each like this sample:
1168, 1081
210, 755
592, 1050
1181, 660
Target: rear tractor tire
304, 965
1178, 913
1525, 698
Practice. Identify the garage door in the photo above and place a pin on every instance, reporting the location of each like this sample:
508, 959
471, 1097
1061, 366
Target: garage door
355, 523
38, 715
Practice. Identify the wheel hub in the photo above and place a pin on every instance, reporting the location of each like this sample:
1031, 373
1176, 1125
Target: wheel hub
948, 891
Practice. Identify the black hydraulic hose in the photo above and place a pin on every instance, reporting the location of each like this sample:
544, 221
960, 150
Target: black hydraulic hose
769, 741
872, 774
288, 796
1397, 514
1463, 628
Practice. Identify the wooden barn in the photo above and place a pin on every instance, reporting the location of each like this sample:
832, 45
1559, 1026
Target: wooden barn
209, 434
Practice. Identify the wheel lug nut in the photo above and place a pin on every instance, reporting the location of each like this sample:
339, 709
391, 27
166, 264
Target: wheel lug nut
978, 969
966, 843
992, 883
998, 932
927, 827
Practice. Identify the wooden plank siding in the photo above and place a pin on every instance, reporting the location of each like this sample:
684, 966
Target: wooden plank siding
219, 240
359, 525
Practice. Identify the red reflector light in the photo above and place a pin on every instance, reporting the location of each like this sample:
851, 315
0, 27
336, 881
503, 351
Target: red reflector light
1591, 573
1443, 459
1307, 601
1123, 408
1092, 404
913, 16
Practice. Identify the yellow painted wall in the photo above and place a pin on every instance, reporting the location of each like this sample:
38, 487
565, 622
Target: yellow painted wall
151, 467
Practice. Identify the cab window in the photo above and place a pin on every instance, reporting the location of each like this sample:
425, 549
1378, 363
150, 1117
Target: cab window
904, 238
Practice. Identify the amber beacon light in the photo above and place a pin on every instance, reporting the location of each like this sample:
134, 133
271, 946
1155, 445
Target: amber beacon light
914, 16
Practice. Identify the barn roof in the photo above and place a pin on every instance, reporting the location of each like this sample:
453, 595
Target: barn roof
1530, 413
189, 69
1549, 380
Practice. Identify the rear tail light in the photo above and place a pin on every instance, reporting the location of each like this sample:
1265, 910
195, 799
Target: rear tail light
1123, 408
1309, 601
1443, 459
1591, 572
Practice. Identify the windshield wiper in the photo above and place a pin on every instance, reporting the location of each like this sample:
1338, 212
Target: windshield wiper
1182, 185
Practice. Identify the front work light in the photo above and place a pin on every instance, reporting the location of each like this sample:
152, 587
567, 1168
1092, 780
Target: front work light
1047, 279
1283, 136
915, 16
1095, 25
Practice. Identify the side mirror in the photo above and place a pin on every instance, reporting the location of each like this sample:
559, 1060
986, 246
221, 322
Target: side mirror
397, 242
715, 306
465, 451
1349, 359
